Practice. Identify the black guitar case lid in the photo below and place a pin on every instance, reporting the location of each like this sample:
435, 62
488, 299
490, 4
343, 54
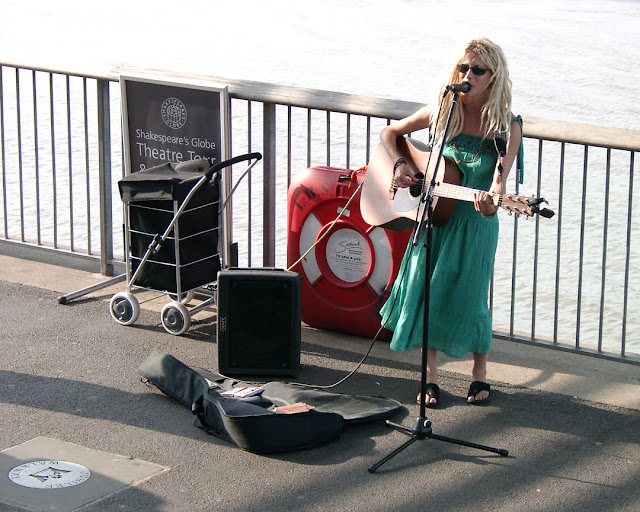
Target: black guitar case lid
252, 423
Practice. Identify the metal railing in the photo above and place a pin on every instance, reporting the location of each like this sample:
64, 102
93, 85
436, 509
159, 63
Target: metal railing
567, 282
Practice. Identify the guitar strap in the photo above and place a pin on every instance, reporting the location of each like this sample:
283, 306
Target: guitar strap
500, 142
500, 138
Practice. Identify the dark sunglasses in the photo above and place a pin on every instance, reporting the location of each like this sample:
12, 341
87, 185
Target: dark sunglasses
476, 70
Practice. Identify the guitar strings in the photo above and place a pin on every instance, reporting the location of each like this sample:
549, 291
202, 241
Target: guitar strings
449, 190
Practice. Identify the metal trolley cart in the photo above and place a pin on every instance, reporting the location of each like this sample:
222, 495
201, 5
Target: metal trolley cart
171, 237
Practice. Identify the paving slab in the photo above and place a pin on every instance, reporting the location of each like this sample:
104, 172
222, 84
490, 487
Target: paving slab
48, 474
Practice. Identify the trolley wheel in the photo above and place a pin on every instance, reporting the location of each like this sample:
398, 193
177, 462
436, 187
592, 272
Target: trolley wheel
186, 297
124, 308
175, 318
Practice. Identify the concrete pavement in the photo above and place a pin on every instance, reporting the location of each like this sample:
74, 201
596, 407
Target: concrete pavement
68, 375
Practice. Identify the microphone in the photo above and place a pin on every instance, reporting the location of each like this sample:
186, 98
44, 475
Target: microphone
463, 87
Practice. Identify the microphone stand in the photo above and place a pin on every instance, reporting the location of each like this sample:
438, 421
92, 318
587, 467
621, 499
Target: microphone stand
422, 426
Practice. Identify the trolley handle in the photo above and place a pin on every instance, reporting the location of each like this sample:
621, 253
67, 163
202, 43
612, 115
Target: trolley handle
226, 163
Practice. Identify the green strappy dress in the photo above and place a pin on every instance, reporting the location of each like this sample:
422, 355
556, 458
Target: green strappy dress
462, 262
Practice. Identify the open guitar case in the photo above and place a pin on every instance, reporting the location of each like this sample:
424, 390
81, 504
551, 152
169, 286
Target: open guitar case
252, 423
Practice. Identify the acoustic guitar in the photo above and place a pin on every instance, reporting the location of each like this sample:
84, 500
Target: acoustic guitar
385, 204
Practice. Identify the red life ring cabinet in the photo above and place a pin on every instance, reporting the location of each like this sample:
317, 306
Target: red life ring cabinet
348, 275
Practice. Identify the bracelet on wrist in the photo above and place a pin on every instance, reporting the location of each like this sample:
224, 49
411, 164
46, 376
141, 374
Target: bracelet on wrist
491, 216
398, 163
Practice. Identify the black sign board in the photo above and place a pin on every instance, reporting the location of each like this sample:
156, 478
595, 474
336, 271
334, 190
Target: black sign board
167, 121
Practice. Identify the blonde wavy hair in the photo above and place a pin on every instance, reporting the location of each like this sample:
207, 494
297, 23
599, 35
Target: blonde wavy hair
496, 112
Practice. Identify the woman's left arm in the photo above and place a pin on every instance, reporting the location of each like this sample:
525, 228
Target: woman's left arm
483, 202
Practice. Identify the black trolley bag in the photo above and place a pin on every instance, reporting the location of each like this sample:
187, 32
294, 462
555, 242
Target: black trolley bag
252, 423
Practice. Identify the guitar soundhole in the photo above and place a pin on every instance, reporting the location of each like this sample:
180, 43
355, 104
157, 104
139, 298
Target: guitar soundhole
416, 189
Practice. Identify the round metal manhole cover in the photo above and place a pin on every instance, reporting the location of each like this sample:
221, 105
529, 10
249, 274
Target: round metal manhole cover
49, 474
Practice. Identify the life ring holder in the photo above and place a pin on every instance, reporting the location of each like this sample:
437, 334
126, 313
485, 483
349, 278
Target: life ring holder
324, 219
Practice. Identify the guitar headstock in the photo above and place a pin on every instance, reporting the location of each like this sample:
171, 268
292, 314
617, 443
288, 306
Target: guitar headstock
523, 205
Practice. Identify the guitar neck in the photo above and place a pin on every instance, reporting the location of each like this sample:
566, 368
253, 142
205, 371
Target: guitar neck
462, 193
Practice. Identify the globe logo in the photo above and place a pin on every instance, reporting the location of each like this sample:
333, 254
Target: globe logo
49, 474
174, 113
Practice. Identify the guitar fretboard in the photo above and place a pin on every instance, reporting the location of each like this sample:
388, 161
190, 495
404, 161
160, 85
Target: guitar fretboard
462, 193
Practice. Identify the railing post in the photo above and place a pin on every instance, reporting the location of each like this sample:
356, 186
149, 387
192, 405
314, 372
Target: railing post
104, 152
269, 185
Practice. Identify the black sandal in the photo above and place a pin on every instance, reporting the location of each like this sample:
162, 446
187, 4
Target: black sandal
475, 388
433, 391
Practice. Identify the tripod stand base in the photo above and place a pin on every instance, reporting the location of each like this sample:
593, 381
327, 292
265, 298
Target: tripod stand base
422, 430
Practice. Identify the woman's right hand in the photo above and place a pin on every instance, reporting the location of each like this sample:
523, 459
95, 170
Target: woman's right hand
403, 176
